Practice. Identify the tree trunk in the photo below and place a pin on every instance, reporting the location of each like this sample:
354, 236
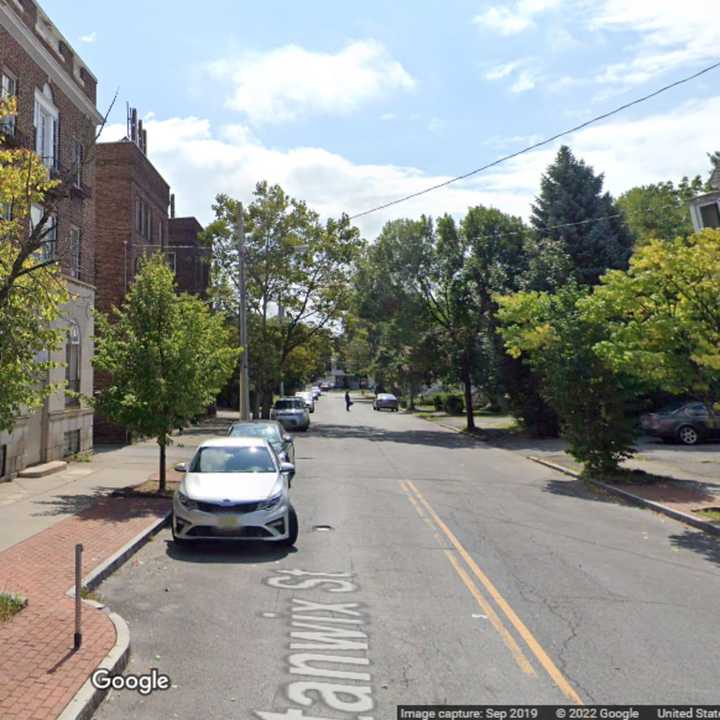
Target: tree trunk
266, 402
467, 382
162, 441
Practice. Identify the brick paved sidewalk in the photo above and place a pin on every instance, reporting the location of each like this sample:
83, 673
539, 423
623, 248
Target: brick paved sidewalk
39, 672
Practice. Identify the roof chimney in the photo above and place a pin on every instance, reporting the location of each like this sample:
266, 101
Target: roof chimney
172, 206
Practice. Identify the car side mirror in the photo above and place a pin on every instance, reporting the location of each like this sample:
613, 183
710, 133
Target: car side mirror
181, 467
288, 469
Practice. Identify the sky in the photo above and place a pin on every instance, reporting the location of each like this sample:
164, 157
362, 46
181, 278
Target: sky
350, 105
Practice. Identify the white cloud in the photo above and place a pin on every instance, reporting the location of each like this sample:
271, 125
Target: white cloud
387, 116
498, 72
291, 82
525, 81
199, 163
515, 18
672, 35
518, 71
88, 39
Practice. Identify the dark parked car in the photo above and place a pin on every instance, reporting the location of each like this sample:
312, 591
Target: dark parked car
270, 430
688, 422
386, 401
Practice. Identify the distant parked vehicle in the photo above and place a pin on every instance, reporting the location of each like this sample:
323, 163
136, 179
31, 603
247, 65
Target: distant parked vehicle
272, 431
324, 386
386, 401
309, 399
291, 413
685, 421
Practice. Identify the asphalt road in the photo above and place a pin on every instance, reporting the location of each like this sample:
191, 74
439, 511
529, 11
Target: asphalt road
429, 569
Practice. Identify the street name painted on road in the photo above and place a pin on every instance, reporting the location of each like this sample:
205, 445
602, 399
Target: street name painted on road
329, 643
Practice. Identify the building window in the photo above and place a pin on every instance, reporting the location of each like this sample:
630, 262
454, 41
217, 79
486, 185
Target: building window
6, 211
710, 215
171, 260
75, 252
72, 443
78, 163
8, 89
3, 460
49, 233
72, 364
47, 125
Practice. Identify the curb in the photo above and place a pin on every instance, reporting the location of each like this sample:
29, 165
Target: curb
704, 525
88, 698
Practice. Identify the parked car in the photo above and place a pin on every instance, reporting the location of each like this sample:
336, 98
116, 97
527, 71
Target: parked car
291, 413
235, 488
685, 421
272, 431
386, 401
324, 387
307, 396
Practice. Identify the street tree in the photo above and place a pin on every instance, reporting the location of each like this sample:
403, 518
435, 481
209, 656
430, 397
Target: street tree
660, 211
591, 399
663, 315
31, 290
167, 356
573, 210
297, 271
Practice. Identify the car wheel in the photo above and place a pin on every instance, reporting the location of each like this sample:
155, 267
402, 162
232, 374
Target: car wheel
688, 435
293, 528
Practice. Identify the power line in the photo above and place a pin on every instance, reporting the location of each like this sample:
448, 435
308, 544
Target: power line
541, 143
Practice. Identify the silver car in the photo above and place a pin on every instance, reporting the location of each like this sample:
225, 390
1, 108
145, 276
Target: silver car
291, 413
309, 399
234, 489
272, 431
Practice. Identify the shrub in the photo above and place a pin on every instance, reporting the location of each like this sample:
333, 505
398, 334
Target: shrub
454, 404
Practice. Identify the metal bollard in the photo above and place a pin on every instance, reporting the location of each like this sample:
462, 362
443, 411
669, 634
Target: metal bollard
78, 599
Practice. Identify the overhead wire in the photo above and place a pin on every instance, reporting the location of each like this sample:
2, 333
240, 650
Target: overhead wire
540, 143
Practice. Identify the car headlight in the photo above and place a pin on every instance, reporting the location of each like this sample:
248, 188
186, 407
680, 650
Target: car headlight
272, 502
186, 502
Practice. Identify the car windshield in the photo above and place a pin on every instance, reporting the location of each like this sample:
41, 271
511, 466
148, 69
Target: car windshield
269, 432
295, 404
233, 460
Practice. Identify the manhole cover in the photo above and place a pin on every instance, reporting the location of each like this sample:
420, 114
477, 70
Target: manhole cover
322, 528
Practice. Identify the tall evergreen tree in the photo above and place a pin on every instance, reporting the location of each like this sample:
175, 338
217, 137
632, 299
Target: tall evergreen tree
569, 210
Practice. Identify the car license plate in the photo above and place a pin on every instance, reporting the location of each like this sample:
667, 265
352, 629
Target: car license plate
227, 521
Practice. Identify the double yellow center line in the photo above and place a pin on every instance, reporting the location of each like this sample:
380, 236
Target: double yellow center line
433, 520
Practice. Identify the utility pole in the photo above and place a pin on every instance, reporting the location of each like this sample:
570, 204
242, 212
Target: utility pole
244, 382
281, 318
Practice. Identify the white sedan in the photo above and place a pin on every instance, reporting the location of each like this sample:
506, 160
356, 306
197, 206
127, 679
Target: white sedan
235, 488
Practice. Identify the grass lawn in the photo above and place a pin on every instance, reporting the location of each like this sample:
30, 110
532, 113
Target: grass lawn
10, 605
712, 514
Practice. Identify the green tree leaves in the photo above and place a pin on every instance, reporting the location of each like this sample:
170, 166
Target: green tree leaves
167, 357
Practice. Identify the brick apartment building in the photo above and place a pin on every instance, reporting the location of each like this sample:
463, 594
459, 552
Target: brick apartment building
57, 117
187, 256
132, 222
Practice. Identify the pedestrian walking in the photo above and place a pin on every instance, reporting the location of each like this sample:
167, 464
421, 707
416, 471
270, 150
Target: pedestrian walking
348, 401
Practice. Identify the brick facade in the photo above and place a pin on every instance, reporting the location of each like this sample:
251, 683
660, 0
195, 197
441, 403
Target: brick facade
45, 68
192, 267
129, 190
